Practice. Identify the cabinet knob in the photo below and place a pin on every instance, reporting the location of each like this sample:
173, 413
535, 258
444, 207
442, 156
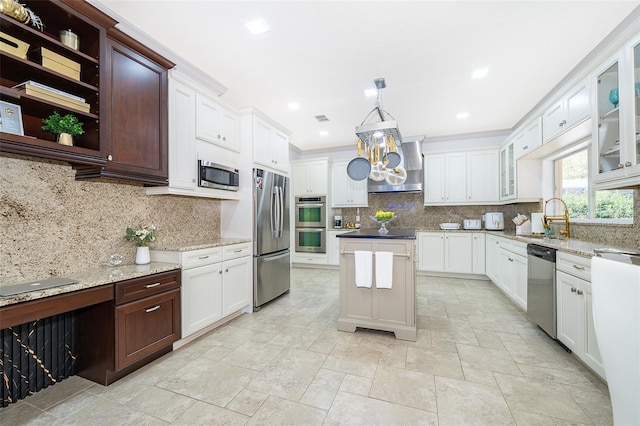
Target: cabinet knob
573, 289
525, 147
224, 138
226, 270
110, 157
219, 136
562, 123
579, 292
193, 180
220, 271
628, 164
620, 165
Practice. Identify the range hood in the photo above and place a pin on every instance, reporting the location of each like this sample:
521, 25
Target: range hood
412, 160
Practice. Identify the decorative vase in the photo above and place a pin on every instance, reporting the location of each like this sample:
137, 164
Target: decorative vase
65, 139
613, 97
142, 256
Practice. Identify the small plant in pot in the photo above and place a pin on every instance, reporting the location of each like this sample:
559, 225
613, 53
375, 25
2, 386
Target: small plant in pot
66, 127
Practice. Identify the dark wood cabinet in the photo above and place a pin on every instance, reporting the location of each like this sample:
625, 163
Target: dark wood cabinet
134, 113
123, 82
138, 326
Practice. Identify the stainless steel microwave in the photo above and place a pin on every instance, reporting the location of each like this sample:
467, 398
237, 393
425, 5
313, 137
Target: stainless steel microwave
217, 176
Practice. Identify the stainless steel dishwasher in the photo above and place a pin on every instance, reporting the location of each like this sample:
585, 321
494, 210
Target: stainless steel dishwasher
541, 287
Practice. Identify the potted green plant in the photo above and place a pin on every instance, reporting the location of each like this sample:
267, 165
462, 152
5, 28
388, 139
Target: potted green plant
66, 127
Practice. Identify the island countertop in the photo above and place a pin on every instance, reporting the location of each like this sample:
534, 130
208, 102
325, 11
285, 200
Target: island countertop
397, 234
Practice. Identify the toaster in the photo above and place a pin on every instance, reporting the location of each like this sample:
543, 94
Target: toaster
472, 224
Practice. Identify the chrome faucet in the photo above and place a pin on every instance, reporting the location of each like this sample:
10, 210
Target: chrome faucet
548, 219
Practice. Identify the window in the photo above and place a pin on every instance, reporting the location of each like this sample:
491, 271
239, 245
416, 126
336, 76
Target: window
572, 184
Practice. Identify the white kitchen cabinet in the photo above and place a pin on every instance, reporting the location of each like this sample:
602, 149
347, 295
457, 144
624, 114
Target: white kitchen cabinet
520, 181
185, 148
529, 138
216, 124
445, 178
431, 251
478, 252
216, 283
508, 171
482, 176
572, 108
574, 309
309, 177
507, 267
461, 178
450, 252
200, 296
270, 142
183, 170
346, 192
236, 293
492, 256
616, 132
333, 246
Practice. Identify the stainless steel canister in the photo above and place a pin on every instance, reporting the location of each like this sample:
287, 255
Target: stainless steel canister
70, 39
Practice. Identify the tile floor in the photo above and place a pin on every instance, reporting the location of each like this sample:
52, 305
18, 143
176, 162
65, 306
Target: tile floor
477, 361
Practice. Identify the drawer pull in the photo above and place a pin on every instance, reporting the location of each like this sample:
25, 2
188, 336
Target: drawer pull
155, 308
203, 257
578, 267
573, 289
579, 291
152, 285
226, 270
237, 251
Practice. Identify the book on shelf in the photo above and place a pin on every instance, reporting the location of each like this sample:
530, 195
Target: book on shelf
48, 95
49, 88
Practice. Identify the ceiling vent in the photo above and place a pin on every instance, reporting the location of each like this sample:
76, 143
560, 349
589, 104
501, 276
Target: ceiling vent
321, 118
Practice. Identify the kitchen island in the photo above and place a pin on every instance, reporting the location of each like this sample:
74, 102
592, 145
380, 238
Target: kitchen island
371, 304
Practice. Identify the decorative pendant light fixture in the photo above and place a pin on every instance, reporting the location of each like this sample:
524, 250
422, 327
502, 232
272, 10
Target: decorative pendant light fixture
377, 139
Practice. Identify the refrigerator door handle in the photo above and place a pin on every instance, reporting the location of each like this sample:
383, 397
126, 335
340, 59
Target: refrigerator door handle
281, 223
273, 210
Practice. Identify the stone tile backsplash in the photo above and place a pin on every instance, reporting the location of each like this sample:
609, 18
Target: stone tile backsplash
52, 224
411, 213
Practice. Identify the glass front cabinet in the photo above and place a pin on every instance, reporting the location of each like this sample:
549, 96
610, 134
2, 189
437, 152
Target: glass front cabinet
616, 145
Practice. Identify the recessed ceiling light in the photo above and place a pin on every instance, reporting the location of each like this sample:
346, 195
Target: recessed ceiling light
323, 133
462, 115
371, 92
480, 73
257, 26
294, 106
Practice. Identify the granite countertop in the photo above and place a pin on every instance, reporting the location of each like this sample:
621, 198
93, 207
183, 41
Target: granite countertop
566, 245
92, 278
201, 245
403, 234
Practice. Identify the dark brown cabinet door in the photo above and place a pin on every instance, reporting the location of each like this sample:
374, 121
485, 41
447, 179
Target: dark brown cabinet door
146, 325
134, 131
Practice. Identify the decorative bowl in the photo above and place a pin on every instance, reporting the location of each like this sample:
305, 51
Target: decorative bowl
449, 225
382, 221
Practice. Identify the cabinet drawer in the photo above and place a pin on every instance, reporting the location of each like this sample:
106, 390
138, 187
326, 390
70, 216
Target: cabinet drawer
195, 258
519, 248
235, 251
130, 290
577, 266
145, 326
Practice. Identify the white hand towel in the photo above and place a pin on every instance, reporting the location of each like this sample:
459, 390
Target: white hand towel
384, 269
364, 260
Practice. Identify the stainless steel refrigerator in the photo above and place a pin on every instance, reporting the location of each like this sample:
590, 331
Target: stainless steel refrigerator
271, 265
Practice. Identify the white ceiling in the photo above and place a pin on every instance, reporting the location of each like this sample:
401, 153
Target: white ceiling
324, 54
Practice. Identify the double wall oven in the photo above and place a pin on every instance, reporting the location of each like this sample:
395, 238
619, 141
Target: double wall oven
311, 231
